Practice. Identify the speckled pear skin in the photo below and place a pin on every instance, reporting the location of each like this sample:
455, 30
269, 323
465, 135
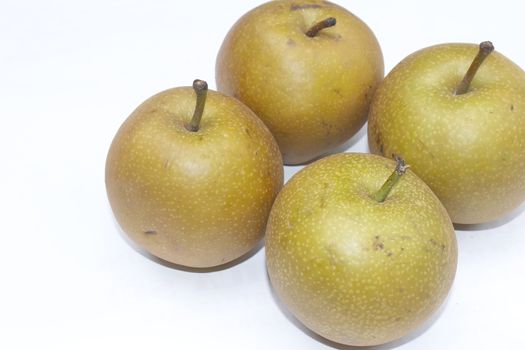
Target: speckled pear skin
356, 271
312, 93
198, 199
470, 149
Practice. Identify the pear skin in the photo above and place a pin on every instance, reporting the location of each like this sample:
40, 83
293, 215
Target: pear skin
313, 92
469, 148
353, 269
195, 198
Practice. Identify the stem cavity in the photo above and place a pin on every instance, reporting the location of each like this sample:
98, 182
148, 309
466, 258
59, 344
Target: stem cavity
327, 23
485, 49
401, 168
201, 89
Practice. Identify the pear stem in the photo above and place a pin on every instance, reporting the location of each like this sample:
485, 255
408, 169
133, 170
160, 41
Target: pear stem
201, 89
392, 180
485, 49
326, 23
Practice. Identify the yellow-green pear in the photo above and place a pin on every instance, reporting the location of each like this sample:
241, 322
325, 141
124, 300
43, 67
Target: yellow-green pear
307, 68
456, 113
191, 176
361, 252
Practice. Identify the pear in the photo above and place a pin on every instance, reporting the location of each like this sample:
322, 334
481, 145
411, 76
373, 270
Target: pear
461, 129
191, 176
307, 68
357, 259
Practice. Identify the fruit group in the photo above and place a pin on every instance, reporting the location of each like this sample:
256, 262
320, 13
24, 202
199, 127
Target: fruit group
307, 68
195, 193
468, 147
353, 268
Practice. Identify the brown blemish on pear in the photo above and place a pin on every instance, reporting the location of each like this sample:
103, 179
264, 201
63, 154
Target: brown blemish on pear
296, 7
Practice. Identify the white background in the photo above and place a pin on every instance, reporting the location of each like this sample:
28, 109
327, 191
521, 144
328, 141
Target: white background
72, 71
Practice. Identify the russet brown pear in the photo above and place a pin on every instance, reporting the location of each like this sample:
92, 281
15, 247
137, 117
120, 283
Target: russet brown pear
461, 129
191, 177
360, 251
307, 68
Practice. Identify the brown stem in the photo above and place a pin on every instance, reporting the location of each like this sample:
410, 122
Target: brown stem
326, 23
485, 49
201, 89
387, 187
